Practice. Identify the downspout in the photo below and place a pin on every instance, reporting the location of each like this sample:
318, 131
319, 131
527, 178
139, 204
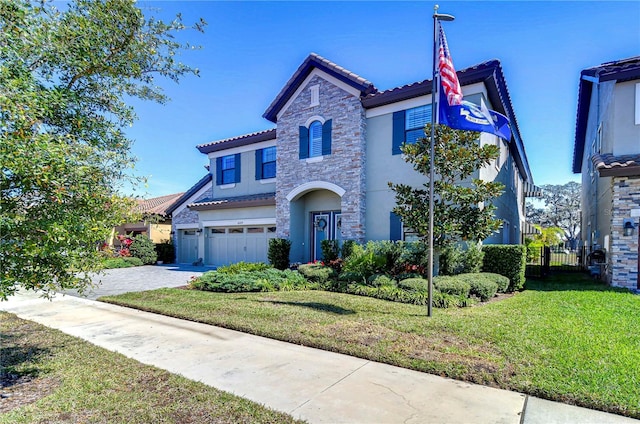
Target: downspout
596, 81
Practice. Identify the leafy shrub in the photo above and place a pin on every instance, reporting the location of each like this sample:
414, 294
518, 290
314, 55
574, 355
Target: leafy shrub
166, 252
447, 300
127, 262
269, 279
278, 253
452, 285
450, 260
507, 260
472, 258
330, 250
144, 249
347, 248
418, 297
364, 261
316, 272
351, 277
414, 284
483, 286
243, 266
380, 280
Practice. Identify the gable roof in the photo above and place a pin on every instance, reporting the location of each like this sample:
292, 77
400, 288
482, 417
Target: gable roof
185, 196
315, 61
241, 140
157, 205
619, 71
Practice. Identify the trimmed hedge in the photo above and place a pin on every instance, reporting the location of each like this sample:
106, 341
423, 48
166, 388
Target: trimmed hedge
125, 262
144, 249
508, 260
316, 272
452, 285
483, 286
269, 279
242, 267
278, 253
414, 284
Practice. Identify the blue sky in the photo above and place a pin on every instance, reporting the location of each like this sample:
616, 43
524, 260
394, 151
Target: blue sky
250, 50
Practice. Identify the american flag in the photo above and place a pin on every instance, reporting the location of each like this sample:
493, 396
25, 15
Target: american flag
448, 76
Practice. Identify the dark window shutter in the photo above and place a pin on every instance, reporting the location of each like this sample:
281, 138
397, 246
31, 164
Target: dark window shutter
219, 171
236, 161
304, 142
395, 228
259, 164
326, 138
398, 132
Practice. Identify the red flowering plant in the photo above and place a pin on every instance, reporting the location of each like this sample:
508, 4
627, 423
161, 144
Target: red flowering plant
125, 244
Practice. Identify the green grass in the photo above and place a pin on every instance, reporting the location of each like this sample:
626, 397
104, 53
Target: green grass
570, 340
76, 381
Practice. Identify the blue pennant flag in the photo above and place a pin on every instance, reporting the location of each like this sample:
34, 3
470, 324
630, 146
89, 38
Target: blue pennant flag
459, 114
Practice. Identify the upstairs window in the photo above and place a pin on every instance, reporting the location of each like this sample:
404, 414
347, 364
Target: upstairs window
266, 163
315, 140
408, 126
228, 169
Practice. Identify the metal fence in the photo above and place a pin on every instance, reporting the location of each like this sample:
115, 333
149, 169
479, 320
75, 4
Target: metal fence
546, 261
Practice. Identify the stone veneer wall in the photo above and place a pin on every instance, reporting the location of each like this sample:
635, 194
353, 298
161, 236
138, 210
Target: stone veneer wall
187, 216
345, 166
623, 258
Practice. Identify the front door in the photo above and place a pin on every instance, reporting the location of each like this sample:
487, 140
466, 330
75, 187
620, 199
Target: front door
324, 226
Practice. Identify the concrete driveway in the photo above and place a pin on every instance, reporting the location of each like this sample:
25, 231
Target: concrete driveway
134, 279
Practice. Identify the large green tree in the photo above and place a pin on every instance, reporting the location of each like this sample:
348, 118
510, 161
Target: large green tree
65, 78
462, 205
561, 209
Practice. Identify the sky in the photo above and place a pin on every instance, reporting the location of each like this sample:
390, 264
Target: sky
250, 50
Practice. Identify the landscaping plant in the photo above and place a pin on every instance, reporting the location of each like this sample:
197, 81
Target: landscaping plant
143, 249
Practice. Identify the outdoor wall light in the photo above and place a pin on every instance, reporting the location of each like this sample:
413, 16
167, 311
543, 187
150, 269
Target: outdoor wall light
628, 227
199, 231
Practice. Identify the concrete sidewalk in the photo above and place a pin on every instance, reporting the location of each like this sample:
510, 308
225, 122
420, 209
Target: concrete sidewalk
311, 384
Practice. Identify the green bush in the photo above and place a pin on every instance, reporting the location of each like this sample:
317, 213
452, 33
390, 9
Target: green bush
166, 252
452, 285
144, 249
352, 277
364, 261
414, 284
472, 258
483, 286
126, 262
316, 272
380, 280
330, 250
347, 248
278, 253
243, 266
450, 260
269, 279
507, 260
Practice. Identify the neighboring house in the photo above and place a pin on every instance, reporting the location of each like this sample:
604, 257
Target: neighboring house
323, 172
156, 223
607, 153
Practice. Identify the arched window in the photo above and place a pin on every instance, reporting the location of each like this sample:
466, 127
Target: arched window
315, 139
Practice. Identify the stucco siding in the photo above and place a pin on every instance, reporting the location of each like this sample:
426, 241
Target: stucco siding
626, 132
248, 183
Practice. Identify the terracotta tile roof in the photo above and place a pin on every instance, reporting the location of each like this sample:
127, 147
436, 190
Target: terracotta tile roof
157, 205
193, 190
260, 199
609, 165
241, 140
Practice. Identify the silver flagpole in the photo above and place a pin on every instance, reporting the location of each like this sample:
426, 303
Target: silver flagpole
434, 113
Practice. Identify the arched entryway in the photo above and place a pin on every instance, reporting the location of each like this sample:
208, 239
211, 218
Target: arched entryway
315, 214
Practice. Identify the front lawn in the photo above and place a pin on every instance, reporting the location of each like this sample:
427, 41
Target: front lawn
47, 376
570, 340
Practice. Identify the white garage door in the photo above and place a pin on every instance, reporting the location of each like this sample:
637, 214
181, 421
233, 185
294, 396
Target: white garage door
227, 245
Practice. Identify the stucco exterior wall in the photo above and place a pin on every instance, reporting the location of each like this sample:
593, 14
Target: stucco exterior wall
625, 131
248, 183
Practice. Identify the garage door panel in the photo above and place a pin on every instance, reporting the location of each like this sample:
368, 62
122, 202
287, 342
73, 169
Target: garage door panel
227, 246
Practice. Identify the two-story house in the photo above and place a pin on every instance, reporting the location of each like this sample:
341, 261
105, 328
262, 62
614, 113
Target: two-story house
607, 153
323, 171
